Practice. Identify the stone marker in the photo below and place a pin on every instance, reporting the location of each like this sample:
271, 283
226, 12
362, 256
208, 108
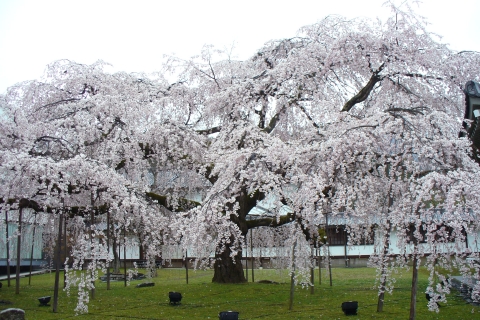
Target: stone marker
12, 314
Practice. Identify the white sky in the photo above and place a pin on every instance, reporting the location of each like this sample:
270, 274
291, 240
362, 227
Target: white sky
134, 35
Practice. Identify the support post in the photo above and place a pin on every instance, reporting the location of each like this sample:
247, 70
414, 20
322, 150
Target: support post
328, 249
319, 269
7, 242
246, 257
65, 251
58, 252
92, 221
124, 256
31, 251
413, 296
19, 247
108, 250
253, 259
292, 277
312, 273
186, 264
345, 247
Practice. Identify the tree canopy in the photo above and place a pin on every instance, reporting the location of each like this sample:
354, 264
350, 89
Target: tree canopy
357, 118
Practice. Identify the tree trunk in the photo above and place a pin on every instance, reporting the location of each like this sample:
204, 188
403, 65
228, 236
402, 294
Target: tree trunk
226, 269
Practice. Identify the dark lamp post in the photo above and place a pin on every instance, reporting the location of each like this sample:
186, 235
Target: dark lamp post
472, 113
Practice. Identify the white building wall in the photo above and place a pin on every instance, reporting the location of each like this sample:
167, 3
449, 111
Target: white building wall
26, 241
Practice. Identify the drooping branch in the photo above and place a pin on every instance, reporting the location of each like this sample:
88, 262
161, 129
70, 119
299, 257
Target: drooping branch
308, 116
52, 104
117, 123
413, 111
72, 211
209, 130
183, 203
270, 221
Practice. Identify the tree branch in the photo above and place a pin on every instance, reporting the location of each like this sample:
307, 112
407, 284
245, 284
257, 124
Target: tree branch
363, 94
270, 221
210, 130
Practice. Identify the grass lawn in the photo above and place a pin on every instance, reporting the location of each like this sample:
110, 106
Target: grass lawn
203, 299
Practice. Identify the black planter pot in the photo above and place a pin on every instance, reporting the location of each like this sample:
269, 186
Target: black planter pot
44, 301
350, 308
175, 297
228, 315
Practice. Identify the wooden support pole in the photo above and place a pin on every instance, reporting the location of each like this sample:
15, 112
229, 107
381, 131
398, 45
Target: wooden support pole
7, 242
186, 264
65, 251
108, 250
58, 252
246, 256
312, 273
19, 250
292, 277
125, 256
31, 251
253, 258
